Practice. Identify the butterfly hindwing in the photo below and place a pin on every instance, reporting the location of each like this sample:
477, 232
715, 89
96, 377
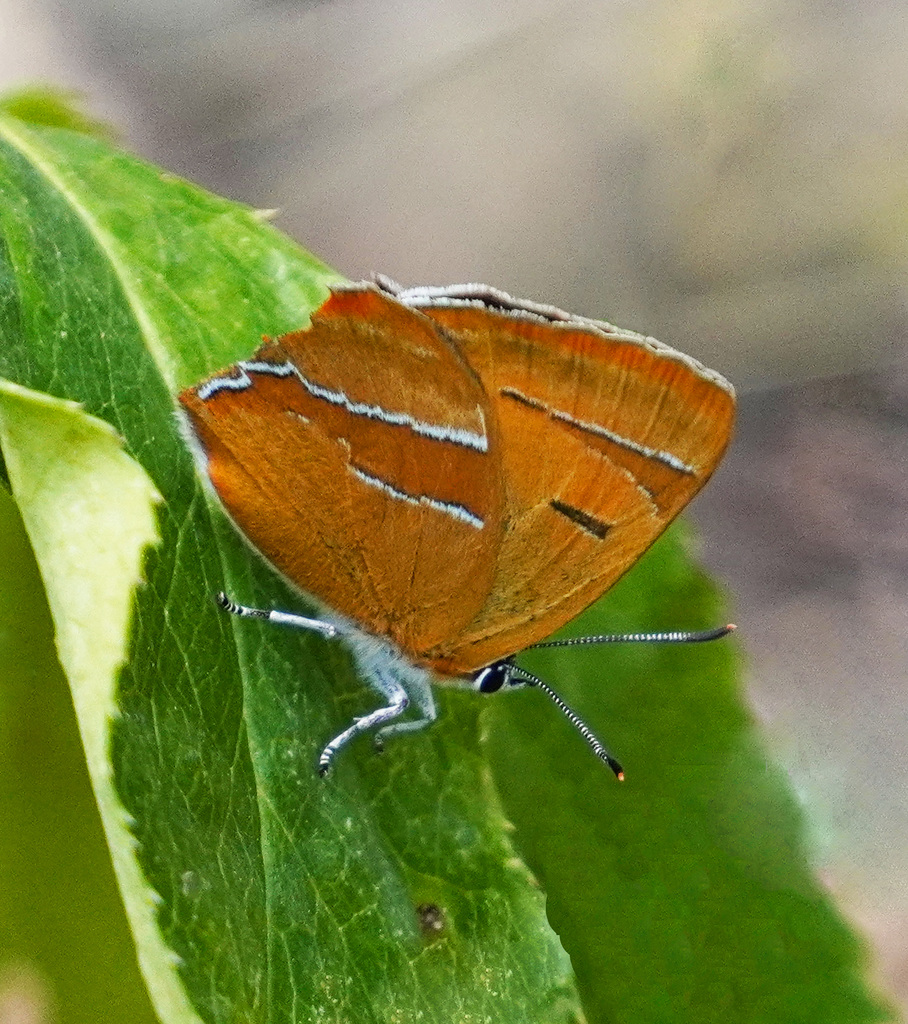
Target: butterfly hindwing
354, 455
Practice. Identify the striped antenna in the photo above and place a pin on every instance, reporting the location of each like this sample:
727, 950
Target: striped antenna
672, 637
585, 731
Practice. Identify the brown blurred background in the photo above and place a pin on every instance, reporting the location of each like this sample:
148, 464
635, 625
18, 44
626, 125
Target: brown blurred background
729, 176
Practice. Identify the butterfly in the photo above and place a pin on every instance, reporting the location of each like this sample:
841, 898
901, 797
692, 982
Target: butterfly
451, 474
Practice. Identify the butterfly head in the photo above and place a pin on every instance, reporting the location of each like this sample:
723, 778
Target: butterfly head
493, 677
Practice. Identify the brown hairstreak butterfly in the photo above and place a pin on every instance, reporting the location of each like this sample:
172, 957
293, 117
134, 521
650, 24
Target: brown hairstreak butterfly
452, 474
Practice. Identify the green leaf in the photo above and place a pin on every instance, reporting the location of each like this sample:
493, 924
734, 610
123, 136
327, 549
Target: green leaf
256, 890
259, 892
54, 107
63, 936
685, 894
87, 509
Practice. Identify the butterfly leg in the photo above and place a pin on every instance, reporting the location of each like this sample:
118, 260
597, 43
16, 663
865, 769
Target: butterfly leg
277, 617
398, 702
384, 679
420, 693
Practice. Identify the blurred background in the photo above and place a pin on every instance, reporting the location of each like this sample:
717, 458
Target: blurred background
730, 176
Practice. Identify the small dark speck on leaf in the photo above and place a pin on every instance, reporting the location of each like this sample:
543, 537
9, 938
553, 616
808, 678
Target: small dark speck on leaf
431, 919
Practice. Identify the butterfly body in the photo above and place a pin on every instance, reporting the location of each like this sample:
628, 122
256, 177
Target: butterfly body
453, 472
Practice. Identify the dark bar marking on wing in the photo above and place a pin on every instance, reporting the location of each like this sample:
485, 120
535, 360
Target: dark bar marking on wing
588, 523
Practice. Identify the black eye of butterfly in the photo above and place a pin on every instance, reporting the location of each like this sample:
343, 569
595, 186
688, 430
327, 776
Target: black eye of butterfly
492, 677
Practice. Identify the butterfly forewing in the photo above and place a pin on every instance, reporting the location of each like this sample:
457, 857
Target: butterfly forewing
605, 437
355, 456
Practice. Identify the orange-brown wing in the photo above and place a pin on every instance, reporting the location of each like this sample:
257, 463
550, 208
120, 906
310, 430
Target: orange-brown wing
605, 437
359, 457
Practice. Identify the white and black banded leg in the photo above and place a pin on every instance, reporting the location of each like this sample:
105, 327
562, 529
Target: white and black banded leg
384, 681
398, 702
278, 618
420, 693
